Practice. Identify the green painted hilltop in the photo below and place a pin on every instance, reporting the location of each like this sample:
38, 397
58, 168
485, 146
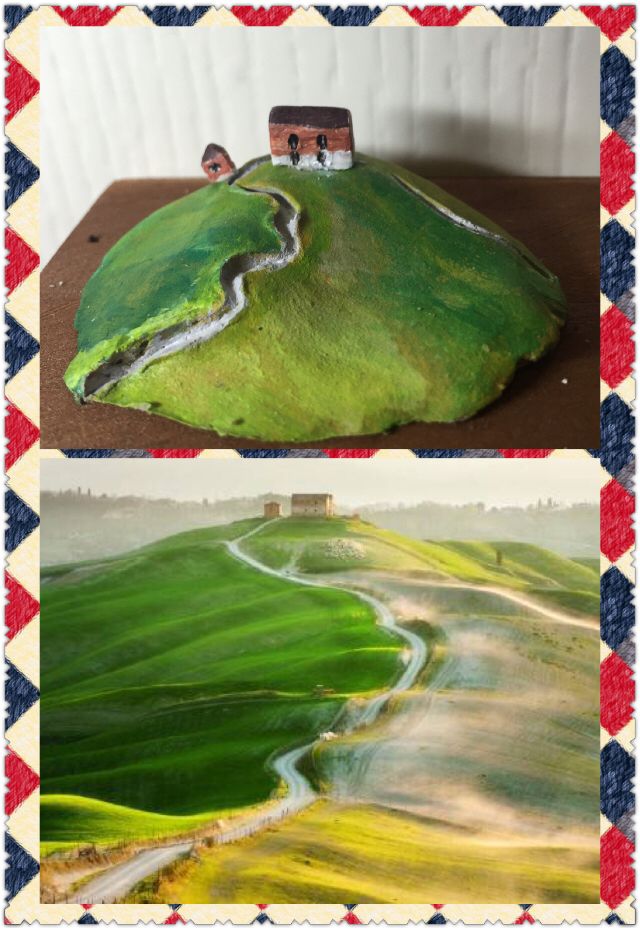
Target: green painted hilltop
401, 304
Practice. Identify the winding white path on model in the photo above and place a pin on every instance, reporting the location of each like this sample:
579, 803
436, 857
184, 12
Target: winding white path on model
113, 884
232, 280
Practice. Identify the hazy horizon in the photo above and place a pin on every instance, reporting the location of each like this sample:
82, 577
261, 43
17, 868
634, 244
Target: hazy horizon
355, 482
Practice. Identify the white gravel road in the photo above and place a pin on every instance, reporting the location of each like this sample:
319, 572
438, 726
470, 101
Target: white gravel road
113, 884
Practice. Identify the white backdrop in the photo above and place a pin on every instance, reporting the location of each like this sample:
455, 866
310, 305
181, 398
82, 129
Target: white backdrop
118, 103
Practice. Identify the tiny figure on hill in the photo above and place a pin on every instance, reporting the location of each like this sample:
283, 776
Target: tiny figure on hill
320, 691
498, 557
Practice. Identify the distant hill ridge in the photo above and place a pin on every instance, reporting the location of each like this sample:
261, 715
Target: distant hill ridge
573, 531
77, 525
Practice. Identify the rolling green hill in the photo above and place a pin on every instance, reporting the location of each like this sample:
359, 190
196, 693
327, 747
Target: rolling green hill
70, 817
395, 308
167, 271
533, 564
547, 576
184, 670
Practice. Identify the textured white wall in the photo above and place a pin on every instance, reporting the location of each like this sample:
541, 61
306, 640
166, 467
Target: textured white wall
120, 102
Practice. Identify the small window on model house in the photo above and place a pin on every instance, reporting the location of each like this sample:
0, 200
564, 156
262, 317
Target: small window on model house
293, 147
322, 147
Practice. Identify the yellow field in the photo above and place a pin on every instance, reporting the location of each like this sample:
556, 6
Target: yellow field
332, 853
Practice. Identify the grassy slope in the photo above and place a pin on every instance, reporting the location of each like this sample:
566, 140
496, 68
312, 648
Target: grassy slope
373, 854
169, 687
368, 854
69, 817
568, 584
166, 270
383, 549
547, 576
534, 564
492, 648
381, 320
590, 562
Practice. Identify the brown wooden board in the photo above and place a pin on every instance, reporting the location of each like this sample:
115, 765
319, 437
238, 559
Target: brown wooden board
550, 404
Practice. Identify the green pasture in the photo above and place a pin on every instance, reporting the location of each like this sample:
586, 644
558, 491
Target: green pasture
532, 564
562, 582
72, 819
166, 271
185, 670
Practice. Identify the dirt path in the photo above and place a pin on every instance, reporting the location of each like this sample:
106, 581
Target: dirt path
497, 695
285, 765
114, 883
522, 600
232, 279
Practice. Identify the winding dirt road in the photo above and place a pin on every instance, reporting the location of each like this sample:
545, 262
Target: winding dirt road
522, 600
113, 884
299, 791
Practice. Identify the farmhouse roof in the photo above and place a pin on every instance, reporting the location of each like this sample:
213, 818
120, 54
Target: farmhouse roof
322, 117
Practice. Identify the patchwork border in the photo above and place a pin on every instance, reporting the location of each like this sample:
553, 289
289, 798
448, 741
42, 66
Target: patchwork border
617, 201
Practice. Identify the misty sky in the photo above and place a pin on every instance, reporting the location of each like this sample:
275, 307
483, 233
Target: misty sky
353, 482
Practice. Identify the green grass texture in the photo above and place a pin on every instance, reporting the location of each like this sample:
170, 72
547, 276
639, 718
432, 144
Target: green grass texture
551, 578
166, 271
184, 670
391, 312
68, 817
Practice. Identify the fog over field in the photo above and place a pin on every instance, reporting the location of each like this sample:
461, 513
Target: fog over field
92, 508
79, 525
396, 703
356, 483
377, 673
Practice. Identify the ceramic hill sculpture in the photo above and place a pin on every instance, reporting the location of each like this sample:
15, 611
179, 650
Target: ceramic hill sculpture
294, 301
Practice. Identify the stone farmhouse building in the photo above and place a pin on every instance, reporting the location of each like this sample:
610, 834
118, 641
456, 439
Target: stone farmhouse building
272, 509
320, 505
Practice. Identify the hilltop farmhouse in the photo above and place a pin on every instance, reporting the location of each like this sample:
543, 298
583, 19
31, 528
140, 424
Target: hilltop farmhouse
311, 138
320, 505
307, 505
